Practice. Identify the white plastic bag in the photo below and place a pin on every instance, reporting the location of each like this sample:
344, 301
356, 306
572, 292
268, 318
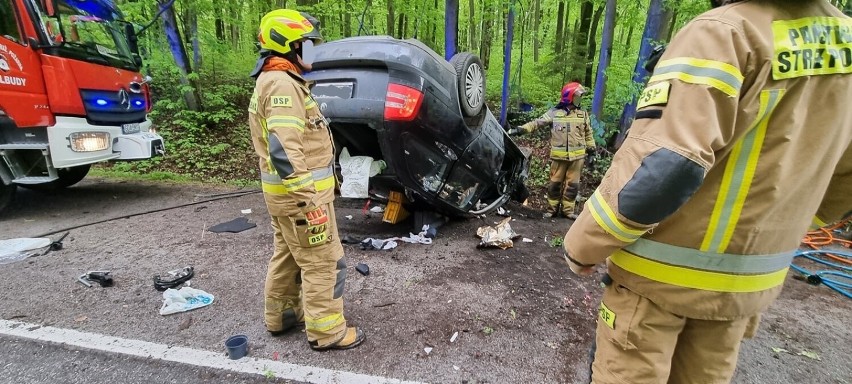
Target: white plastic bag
18, 249
356, 172
184, 299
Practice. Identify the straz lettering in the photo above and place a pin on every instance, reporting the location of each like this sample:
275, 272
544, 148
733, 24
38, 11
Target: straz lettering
812, 46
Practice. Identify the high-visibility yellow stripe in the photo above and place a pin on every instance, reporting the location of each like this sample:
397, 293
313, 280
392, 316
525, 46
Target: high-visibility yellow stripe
607, 219
738, 177
265, 139
281, 121
297, 183
722, 76
691, 278
324, 323
565, 153
310, 103
817, 223
327, 183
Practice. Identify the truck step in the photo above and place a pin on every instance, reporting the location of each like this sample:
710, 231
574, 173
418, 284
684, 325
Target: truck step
23, 146
34, 180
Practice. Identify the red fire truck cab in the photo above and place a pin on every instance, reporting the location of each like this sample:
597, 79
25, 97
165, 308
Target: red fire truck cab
71, 94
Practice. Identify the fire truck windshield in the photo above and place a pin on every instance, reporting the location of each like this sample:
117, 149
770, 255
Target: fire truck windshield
90, 30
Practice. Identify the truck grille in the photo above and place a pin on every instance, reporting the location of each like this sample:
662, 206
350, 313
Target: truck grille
113, 107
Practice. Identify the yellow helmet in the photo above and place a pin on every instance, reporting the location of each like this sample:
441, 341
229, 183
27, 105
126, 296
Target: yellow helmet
282, 27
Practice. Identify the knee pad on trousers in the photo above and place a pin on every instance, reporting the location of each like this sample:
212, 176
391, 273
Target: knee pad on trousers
572, 191
554, 190
340, 283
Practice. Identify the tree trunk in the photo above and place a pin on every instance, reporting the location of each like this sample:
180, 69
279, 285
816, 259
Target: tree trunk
653, 28
604, 60
671, 28
196, 44
560, 27
581, 42
176, 46
471, 21
390, 18
628, 41
487, 35
536, 27
347, 23
593, 39
400, 25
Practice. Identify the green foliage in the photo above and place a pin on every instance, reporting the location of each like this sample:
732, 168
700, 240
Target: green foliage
555, 242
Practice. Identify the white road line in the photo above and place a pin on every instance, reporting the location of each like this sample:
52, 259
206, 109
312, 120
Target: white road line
190, 356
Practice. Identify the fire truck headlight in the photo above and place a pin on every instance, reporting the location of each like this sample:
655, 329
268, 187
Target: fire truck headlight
89, 141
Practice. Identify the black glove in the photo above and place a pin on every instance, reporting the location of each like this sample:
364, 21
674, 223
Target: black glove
515, 131
590, 152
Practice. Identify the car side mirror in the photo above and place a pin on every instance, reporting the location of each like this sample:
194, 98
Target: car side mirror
132, 38
33, 43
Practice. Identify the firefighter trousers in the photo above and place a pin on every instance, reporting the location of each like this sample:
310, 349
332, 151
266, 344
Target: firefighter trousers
638, 342
305, 283
564, 185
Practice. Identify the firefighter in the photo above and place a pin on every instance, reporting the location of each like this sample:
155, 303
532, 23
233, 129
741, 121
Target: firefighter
742, 134
571, 141
306, 274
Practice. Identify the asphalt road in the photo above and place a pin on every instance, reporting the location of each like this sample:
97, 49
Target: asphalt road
448, 312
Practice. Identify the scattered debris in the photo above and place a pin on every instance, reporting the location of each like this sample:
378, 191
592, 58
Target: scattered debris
810, 355
371, 243
455, 336
428, 350
349, 239
234, 226
456, 367
384, 304
101, 277
184, 299
503, 212
13, 250
246, 211
237, 346
356, 172
526, 240
81, 318
185, 323
363, 269
377, 209
500, 236
779, 350
178, 277
348, 217
391, 243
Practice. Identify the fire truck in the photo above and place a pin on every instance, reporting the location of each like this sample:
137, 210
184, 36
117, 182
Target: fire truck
71, 93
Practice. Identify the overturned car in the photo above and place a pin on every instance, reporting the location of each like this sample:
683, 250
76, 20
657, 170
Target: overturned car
400, 102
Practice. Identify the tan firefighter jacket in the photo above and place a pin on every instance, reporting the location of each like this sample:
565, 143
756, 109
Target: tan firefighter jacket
293, 142
570, 135
742, 133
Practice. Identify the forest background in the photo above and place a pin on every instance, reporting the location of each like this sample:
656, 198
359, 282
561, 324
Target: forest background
199, 53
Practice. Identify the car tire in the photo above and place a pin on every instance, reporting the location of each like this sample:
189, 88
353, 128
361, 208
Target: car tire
67, 178
7, 194
470, 83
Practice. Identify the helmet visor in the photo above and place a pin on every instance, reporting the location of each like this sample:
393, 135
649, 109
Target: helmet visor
309, 52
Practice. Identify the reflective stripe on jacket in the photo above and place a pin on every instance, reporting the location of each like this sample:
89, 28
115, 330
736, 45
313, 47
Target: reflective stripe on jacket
742, 135
570, 135
293, 143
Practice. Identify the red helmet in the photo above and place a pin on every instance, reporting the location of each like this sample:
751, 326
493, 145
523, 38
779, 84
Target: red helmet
571, 93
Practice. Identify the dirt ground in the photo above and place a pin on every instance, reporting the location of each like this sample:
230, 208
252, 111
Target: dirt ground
520, 315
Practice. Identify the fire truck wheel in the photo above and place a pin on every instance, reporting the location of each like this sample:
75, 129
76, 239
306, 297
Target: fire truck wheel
7, 194
67, 178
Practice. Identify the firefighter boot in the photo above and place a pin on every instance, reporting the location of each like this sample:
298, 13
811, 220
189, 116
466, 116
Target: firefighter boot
352, 338
569, 199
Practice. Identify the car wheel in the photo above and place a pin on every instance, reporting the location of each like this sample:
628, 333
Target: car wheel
7, 194
471, 82
67, 178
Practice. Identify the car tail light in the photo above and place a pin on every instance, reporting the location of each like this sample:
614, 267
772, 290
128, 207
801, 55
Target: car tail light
402, 103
